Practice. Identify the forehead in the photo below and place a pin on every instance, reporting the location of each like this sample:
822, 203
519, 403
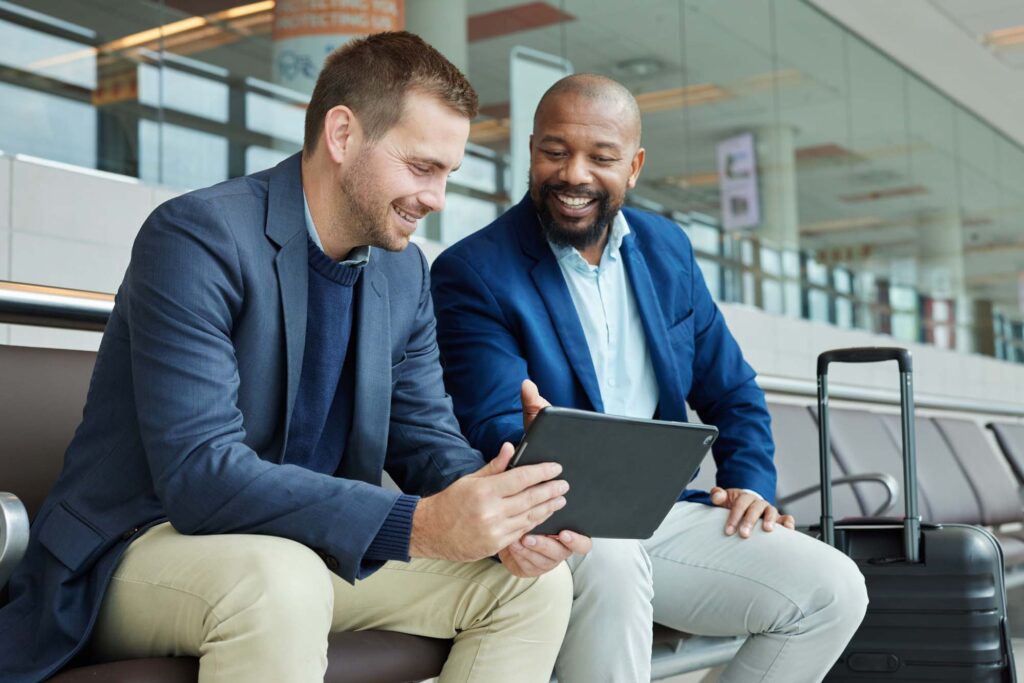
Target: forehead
585, 120
429, 128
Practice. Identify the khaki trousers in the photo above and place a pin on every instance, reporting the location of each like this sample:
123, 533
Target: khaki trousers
259, 608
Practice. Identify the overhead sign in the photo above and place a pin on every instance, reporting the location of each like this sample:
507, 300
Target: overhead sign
737, 182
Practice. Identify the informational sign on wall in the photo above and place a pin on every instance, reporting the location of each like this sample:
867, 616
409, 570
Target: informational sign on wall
306, 31
531, 73
737, 182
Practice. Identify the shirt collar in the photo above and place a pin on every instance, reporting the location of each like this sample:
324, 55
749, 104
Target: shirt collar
359, 256
571, 257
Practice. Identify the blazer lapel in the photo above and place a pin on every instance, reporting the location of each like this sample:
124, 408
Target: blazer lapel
371, 410
286, 227
550, 283
655, 327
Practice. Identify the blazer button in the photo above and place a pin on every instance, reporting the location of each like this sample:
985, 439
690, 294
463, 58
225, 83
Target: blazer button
331, 562
126, 536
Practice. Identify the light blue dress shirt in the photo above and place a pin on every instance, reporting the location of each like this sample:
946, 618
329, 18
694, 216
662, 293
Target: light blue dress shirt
612, 325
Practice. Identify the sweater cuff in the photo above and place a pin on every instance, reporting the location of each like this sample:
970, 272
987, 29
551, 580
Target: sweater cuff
392, 540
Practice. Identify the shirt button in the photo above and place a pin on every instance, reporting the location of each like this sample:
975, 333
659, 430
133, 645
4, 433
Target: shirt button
611, 381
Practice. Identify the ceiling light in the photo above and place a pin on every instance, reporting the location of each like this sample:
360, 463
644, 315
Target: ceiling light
637, 68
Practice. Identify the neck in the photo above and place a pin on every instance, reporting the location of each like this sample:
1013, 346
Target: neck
321, 190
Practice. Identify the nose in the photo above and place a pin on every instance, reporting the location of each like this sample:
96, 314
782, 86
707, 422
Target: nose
434, 197
576, 170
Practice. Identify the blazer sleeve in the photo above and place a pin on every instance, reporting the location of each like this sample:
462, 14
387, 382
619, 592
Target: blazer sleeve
182, 292
724, 393
483, 364
426, 450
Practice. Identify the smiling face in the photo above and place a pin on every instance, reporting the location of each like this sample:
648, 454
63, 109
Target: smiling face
584, 155
392, 183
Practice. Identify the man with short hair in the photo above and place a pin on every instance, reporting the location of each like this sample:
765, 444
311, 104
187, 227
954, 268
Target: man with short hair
270, 351
604, 309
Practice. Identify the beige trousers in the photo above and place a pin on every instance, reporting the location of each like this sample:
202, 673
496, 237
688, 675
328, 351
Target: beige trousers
259, 608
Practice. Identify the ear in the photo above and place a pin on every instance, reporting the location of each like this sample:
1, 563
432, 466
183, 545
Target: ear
635, 166
531, 145
342, 133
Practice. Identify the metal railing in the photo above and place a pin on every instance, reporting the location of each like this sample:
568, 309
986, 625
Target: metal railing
74, 309
27, 304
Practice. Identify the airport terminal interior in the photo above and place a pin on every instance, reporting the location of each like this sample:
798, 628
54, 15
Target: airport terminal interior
849, 174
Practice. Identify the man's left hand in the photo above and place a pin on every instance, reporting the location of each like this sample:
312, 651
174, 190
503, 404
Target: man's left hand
533, 555
745, 509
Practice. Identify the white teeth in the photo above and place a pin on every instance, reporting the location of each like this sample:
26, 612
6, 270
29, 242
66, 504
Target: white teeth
574, 202
405, 215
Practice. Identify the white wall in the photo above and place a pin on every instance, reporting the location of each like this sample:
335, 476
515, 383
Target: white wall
68, 227
74, 228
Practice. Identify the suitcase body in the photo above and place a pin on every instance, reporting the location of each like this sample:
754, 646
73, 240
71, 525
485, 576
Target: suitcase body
937, 600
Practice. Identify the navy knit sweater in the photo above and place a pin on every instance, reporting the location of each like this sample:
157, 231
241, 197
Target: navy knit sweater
322, 415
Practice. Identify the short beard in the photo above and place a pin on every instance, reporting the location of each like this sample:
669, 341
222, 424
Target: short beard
356, 192
563, 236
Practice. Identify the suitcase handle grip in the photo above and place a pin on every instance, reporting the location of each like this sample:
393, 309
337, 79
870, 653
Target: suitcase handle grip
865, 354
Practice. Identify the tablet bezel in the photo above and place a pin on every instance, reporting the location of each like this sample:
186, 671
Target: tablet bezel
671, 451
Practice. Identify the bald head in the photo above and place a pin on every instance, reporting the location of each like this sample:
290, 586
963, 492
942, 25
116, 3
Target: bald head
613, 98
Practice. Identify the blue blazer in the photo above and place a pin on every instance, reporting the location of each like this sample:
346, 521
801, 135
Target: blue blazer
504, 314
187, 412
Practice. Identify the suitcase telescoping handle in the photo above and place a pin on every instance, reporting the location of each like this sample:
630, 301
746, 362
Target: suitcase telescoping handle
873, 354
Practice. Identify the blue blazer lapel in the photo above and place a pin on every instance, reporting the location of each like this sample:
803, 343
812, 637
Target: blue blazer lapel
550, 283
371, 410
286, 227
655, 328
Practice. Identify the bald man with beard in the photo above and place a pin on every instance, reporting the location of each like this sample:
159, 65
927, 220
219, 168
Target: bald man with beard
604, 308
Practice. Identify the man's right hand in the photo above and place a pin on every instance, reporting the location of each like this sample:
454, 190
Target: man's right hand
486, 511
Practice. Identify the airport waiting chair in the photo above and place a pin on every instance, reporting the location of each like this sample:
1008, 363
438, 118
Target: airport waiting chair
990, 477
1010, 437
797, 462
861, 443
952, 496
44, 390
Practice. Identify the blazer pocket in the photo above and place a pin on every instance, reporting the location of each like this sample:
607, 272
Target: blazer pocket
396, 368
688, 316
69, 538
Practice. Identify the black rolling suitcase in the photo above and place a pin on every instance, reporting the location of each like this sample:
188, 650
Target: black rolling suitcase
937, 607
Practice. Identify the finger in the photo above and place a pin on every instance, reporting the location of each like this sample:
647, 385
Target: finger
549, 547
719, 497
532, 401
499, 464
739, 507
532, 562
545, 547
534, 496
528, 520
519, 479
788, 521
577, 543
511, 563
771, 515
750, 517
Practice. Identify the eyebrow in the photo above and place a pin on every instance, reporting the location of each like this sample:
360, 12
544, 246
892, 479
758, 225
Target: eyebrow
599, 145
436, 163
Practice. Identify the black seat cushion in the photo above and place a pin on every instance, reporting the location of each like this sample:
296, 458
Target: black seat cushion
355, 657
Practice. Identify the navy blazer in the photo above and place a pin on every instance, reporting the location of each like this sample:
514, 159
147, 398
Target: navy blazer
504, 314
187, 412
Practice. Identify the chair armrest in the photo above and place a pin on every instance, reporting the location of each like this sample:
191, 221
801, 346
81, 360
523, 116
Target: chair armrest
892, 488
13, 534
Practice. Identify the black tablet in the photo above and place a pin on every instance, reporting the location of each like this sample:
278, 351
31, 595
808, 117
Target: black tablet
624, 474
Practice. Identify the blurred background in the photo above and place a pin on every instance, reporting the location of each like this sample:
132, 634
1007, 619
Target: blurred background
854, 164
